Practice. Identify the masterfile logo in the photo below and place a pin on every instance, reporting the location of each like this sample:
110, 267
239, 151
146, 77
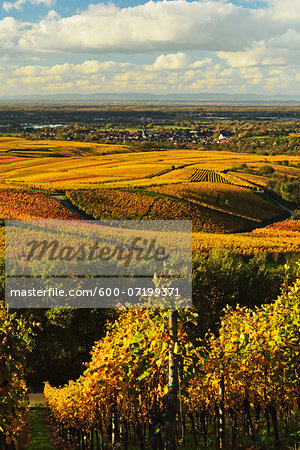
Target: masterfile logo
91, 264
47, 247
138, 249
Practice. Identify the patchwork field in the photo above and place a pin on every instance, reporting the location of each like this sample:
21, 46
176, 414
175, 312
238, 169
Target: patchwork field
18, 147
94, 165
26, 205
235, 200
121, 204
277, 239
232, 358
211, 176
204, 186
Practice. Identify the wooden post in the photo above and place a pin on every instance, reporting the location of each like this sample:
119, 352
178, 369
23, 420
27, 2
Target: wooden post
221, 411
173, 382
114, 427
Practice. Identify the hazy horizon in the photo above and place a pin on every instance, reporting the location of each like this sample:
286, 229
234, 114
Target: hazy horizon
149, 98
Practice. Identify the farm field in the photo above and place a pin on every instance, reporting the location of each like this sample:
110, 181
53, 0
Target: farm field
120, 169
278, 239
131, 363
242, 236
26, 205
250, 178
20, 147
139, 205
235, 200
154, 185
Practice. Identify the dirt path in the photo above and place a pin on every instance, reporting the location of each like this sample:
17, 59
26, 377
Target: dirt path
281, 205
66, 203
37, 398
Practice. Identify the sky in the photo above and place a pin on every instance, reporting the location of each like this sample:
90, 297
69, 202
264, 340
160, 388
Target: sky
164, 46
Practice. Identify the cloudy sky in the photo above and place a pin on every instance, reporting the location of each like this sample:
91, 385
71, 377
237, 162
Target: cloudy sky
234, 46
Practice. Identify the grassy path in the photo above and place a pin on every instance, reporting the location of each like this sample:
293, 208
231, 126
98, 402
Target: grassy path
39, 433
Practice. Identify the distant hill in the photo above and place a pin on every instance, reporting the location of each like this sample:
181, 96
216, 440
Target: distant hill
155, 98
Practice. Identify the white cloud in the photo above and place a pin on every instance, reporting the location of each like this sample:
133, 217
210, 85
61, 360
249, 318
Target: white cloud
10, 29
93, 75
259, 55
79, 73
289, 40
93, 66
284, 11
201, 63
164, 25
238, 47
171, 61
18, 4
173, 26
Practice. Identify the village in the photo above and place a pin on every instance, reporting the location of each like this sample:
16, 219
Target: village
115, 135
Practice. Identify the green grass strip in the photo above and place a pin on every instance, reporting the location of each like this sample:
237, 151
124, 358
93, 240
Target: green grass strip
39, 434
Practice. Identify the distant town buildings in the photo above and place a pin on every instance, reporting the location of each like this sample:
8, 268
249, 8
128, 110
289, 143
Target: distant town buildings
165, 135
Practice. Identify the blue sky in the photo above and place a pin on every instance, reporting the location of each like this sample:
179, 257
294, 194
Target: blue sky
157, 46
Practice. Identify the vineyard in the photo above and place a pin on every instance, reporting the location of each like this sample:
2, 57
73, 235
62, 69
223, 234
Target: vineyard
57, 165
143, 204
238, 388
251, 179
227, 198
212, 176
276, 240
26, 205
246, 378
63, 173
19, 147
14, 339
208, 175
